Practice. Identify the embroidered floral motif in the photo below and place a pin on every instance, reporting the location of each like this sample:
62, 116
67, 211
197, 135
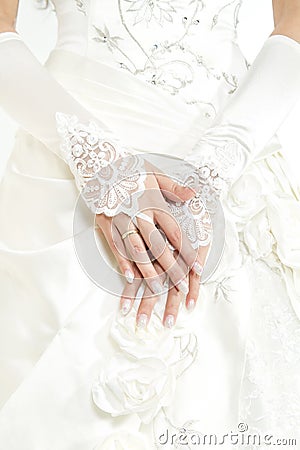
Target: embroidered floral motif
216, 17
173, 59
151, 10
81, 6
105, 37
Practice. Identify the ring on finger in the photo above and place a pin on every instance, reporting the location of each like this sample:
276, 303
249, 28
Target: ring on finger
128, 233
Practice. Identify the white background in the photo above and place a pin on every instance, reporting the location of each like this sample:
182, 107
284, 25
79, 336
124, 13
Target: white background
38, 28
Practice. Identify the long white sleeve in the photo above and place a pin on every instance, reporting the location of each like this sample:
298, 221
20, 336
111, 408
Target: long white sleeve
29, 93
46, 110
250, 119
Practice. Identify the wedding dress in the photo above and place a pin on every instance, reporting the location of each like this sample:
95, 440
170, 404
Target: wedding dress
230, 367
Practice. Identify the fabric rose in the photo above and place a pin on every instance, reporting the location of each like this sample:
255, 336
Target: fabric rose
258, 236
129, 385
156, 340
246, 197
141, 377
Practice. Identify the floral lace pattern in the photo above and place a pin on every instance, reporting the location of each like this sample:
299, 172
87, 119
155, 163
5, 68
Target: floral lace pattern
117, 187
272, 361
110, 179
217, 165
194, 220
87, 148
210, 170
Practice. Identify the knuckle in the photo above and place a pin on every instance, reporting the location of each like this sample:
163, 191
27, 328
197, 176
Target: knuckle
176, 298
123, 263
175, 235
137, 248
195, 277
148, 272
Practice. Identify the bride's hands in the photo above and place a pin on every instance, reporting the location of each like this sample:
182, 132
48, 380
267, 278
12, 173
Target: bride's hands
128, 240
128, 196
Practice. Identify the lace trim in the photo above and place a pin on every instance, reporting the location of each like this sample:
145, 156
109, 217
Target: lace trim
109, 178
216, 167
117, 188
270, 394
194, 220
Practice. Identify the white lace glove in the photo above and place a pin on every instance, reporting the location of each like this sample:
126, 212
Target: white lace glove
42, 106
265, 97
110, 178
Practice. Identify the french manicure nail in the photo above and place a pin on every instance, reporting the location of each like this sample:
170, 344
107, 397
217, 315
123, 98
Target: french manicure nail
183, 287
142, 321
129, 275
125, 308
169, 322
191, 304
198, 268
156, 287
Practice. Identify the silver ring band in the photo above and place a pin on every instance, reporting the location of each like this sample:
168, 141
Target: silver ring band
128, 233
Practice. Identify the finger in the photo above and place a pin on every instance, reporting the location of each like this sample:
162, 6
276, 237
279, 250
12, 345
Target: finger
174, 300
195, 277
172, 190
194, 288
135, 247
161, 252
129, 294
116, 245
148, 301
177, 237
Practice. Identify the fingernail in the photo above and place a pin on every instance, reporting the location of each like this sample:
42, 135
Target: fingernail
142, 321
129, 276
126, 306
190, 304
156, 287
198, 268
169, 322
183, 287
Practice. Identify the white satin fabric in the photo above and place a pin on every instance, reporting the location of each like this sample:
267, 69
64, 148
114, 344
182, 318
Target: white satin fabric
235, 359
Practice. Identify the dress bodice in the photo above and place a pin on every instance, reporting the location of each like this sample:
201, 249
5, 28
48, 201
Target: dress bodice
185, 47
